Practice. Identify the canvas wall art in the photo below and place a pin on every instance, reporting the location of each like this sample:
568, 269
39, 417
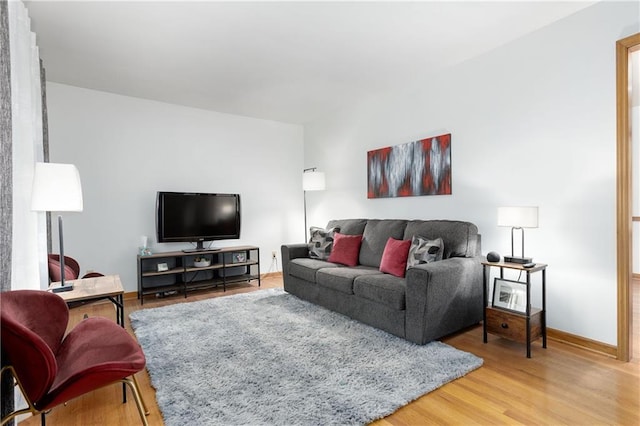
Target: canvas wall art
416, 168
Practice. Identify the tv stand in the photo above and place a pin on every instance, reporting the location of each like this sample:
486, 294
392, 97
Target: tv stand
174, 272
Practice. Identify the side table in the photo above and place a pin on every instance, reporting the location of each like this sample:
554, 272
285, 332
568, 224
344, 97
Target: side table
521, 327
93, 289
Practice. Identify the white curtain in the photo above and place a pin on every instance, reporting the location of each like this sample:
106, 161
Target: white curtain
29, 246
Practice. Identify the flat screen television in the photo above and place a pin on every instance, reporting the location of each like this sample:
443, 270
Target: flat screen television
197, 217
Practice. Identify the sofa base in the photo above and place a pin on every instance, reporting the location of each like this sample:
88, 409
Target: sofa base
363, 310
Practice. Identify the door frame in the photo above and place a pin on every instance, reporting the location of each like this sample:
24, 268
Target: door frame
624, 221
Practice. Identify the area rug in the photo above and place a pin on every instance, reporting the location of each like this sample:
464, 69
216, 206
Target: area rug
269, 358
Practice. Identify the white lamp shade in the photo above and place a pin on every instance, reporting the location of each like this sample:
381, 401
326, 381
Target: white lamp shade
313, 181
56, 188
518, 217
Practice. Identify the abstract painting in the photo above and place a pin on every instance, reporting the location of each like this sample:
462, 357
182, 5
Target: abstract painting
416, 168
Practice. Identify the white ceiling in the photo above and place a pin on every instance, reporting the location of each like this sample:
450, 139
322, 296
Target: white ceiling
284, 61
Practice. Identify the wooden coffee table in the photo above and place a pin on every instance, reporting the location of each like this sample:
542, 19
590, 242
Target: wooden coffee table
88, 290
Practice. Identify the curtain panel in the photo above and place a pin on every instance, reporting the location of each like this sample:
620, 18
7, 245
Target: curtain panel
29, 233
6, 190
23, 233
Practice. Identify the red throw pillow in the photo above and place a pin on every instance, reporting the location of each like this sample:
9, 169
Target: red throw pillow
394, 257
346, 249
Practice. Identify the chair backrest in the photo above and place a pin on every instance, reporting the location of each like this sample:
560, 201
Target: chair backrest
71, 268
33, 324
92, 275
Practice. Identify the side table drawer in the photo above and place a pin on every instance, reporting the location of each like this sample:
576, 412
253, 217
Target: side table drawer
513, 326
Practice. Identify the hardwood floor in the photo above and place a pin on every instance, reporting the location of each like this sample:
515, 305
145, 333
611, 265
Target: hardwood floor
558, 385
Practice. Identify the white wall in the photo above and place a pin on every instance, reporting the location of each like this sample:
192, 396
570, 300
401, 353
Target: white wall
127, 149
532, 123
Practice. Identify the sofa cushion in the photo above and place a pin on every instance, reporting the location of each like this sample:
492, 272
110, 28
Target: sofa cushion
394, 257
306, 268
321, 242
460, 238
382, 288
375, 237
348, 226
424, 250
341, 279
345, 249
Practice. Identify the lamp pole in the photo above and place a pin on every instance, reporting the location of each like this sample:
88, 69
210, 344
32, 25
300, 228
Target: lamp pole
306, 230
312, 180
57, 187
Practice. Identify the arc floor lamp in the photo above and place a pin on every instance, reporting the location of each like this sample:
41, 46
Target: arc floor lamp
312, 180
57, 188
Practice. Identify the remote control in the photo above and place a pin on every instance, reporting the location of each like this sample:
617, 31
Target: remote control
529, 265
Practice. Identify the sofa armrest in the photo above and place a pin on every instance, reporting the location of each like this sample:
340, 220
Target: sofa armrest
443, 297
290, 252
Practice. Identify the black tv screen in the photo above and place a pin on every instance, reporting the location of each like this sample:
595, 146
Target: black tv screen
197, 217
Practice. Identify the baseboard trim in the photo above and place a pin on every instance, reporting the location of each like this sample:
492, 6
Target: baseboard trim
130, 295
582, 342
271, 275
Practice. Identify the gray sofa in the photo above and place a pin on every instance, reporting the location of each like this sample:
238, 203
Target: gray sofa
432, 300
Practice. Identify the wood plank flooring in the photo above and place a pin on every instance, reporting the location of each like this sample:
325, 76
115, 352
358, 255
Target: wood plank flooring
558, 385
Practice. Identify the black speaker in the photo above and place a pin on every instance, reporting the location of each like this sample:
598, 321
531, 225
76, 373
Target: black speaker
492, 256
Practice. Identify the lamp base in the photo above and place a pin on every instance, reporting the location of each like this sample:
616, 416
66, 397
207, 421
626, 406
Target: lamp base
520, 260
66, 287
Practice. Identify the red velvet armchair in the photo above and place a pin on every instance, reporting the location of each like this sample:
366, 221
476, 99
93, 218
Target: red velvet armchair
51, 368
71, 269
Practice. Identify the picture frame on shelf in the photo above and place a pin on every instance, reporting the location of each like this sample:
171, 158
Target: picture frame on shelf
510, 295
239, 257
162, 267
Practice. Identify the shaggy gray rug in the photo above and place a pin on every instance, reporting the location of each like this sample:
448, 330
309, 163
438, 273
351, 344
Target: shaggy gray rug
267, 357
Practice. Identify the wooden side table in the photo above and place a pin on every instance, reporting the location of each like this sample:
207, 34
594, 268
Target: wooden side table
93, 289
521, 327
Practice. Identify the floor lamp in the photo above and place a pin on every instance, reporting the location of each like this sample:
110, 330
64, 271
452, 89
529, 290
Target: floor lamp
57, 188
312, 180
518, 218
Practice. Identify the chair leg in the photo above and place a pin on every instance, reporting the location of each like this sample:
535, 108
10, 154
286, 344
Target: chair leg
132, 382
135, 381
5, 420
30, 407
142, 409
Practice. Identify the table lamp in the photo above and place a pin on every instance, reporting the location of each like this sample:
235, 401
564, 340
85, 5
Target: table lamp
57, 188
312, 180
518, 218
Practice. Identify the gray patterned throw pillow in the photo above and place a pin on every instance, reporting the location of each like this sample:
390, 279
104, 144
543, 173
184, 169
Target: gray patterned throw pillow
424, 250
321, 242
